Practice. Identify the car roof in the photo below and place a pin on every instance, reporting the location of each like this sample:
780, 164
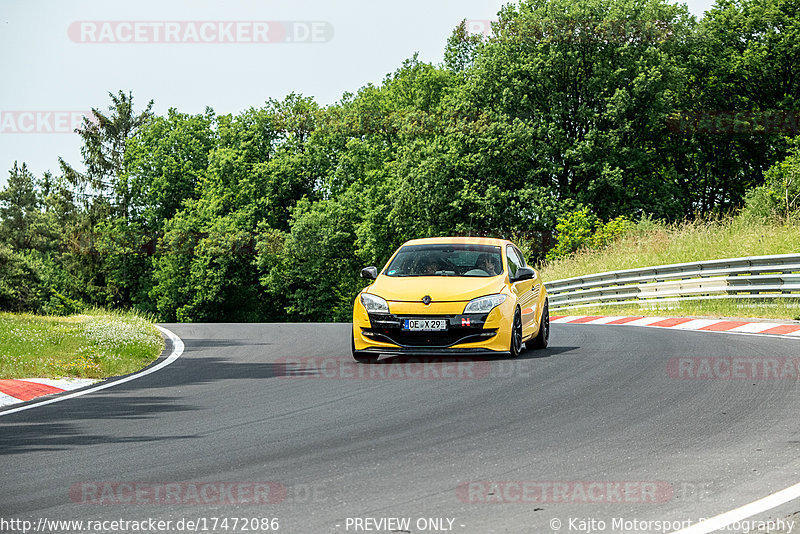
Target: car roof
459, 240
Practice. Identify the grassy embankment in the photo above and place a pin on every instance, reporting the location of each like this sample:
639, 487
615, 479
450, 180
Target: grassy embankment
652, 243
95, 344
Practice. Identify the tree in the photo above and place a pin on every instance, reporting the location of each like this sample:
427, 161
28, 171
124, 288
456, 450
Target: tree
105, 137
19, 282
459, 55
320, 246
19, 207
206, 264
589, 85
164, 162
743, 86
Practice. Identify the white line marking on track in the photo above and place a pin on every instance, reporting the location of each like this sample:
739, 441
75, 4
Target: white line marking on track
177, 350
743, 512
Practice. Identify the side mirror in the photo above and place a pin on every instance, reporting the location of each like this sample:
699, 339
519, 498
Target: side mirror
524, 273
370, 273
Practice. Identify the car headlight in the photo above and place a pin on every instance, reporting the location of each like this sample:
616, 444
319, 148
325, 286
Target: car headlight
374, 304
484, 304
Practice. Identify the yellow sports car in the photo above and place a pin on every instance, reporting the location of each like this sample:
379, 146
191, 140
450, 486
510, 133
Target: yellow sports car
451, 295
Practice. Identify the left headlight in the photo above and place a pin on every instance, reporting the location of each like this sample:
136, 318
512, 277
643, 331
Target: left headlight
374, 304
484, 304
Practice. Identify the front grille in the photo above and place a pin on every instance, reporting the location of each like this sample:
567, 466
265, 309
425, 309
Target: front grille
388, 328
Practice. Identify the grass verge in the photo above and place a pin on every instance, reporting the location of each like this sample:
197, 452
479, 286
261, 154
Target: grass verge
95, 344
653, 243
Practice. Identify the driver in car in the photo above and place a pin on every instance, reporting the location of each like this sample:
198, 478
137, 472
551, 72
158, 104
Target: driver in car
431, 266
486, 263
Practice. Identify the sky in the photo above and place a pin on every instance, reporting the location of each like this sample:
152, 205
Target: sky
60, 59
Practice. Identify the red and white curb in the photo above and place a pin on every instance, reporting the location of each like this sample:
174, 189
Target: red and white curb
685, 323
177, 350
21, 390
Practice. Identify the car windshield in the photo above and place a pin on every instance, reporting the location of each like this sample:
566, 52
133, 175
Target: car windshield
446, 260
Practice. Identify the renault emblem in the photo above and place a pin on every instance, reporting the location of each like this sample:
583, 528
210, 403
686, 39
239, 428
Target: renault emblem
426, 300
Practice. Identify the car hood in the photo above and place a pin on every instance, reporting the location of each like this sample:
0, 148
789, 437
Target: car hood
439, 288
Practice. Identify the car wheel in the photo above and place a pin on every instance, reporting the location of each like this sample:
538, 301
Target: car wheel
516, 335
360, 356
543, 337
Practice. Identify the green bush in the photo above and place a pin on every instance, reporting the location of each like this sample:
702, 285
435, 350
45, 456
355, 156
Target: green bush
779, 197
62, 305
607, 233
581, 229
19, 281
574, 231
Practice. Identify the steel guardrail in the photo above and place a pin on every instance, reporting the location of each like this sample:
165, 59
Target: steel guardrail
776, 276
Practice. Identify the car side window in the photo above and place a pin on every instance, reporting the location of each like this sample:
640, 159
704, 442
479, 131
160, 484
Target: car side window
520, 257
513, 261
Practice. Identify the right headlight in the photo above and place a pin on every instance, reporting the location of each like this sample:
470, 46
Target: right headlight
374, 304
484, 304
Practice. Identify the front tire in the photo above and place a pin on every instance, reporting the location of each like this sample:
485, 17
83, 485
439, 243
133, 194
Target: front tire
516, 335
542, 339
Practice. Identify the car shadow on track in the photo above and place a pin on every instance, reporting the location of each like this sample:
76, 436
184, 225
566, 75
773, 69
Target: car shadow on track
533, 354
526, 355
196, 345
63, 426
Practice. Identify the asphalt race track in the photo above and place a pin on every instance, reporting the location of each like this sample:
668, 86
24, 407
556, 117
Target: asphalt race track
599, 425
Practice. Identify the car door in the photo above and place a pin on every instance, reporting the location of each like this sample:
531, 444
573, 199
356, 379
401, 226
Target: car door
524, 289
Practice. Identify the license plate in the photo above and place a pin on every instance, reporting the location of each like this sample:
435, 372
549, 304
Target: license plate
419, 325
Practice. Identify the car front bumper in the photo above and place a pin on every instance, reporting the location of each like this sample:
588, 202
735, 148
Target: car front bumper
466, 334
461, 329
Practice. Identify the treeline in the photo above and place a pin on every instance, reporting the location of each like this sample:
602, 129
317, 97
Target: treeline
606, 108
